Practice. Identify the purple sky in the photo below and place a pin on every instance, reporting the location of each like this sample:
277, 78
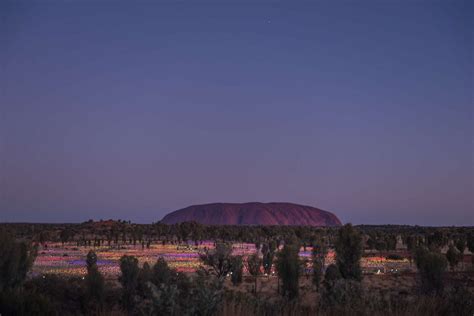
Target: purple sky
113, 110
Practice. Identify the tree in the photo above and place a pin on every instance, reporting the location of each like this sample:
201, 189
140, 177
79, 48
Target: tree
432, 267
348, 252
95, 285
288, 268
236, 270
436, 240
318, 256
257, 245
197, 233
461, 245
306, 266
129, 280
391, 242
161, 273
267, 261
144, 276
185, 229
411, 242
66, 235
253, 266
332, 274
164, 299
341, 296
454, 256
16, 259
218, 259
168, 292
20, 302
470, 246
43, 237
208, 294
91, 261
371, 243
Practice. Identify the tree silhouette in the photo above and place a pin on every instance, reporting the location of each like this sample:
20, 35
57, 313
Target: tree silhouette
254, 264
454, 256
318, 255
288, 268
348, 252
95, 286
16, 259
431, 266
268, 255
129, 280
236, 270
161, 273
218, 259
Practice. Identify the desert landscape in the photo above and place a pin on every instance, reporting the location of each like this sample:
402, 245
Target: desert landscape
242, 268
236, 158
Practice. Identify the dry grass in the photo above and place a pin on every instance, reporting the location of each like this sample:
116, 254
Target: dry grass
392, 288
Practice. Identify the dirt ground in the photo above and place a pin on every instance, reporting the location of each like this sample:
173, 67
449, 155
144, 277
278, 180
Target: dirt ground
381, 284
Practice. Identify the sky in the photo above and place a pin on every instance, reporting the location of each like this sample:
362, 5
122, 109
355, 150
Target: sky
130, 110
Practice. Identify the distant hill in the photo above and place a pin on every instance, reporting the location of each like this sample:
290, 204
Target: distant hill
253, 213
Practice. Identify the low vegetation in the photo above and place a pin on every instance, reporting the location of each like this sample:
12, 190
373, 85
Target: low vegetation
274, 280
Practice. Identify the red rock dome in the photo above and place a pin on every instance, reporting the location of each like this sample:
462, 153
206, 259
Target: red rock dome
253, 214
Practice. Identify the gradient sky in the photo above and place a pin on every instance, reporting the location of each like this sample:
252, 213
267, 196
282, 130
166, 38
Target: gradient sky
114, 110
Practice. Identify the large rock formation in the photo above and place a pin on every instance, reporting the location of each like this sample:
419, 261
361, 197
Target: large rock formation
253, 214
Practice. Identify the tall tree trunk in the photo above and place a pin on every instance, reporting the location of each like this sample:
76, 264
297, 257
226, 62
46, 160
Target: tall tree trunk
278, 286
255, 285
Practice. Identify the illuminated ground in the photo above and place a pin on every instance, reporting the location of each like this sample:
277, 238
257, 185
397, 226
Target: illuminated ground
70, 260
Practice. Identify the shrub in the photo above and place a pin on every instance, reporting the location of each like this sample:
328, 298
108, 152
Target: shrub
236, 270
342, 296
348, 252
289, 270
432, 267
129, 280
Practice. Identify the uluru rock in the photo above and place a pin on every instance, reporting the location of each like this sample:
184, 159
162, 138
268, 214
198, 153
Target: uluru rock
253, 214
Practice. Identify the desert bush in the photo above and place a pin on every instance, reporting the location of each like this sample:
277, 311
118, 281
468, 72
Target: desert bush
288, 269
161, 273
20, 302
129, 280
95, 285
254, 263
454, 256
431, 267
16, 260
66, 295
236, 270
218, 259
318, 256
348, 252
208, 294
342, 296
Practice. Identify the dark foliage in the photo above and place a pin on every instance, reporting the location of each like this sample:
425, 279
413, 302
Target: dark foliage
254, 264
95, 284
236, 270
432, 267
348, 252
16, 259
288, 268
218, 259
129, 280
318, 256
